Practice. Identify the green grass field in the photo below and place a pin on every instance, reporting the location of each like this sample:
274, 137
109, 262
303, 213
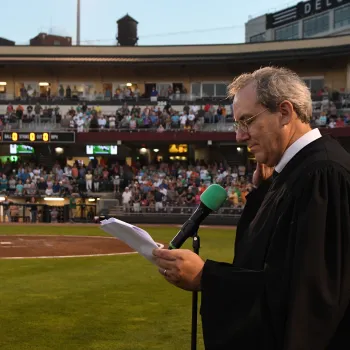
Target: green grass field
115, 302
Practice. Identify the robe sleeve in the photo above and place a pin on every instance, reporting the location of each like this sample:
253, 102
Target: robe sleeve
230, 305
320, 284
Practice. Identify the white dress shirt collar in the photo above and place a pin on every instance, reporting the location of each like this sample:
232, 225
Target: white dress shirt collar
297, 146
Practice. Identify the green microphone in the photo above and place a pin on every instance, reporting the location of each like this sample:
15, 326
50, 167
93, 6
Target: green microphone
211, 200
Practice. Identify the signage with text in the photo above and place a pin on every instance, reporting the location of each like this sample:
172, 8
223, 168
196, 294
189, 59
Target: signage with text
101, 149
21, 149
178, 148
301, 10
38, 137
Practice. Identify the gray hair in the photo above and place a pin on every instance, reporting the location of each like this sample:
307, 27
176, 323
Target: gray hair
275, 85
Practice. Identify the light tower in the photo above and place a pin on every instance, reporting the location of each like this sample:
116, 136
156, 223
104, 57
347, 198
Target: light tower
78, 22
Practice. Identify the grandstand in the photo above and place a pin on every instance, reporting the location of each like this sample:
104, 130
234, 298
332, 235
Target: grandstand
146, 130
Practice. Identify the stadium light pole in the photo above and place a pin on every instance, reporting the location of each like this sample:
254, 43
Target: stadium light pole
78, 22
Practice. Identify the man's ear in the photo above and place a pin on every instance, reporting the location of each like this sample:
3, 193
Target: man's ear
286, 109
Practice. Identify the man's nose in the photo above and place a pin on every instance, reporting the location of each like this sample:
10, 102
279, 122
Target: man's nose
241, 136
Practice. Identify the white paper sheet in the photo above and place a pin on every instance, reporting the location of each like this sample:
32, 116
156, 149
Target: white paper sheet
133, 236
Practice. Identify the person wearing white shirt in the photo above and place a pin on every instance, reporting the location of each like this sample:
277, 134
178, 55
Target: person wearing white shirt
72, 124
80, 124
102, 122
88, 179
132, 123
194, 109
183, 120
191, 118
126, 197
111, 121
332, 124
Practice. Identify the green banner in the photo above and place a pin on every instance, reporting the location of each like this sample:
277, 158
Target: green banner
101, 150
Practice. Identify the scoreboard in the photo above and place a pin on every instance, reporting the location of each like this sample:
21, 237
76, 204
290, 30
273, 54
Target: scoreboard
38, 137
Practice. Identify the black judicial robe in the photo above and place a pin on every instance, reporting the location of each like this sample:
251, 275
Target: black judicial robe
289, 285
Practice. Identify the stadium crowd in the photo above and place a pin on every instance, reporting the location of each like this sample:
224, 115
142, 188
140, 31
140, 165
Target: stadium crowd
84, 118
154, 186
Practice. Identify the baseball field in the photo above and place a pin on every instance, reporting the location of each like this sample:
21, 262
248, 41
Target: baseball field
99, 302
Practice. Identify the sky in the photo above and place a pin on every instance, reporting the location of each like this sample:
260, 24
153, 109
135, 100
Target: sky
161, 22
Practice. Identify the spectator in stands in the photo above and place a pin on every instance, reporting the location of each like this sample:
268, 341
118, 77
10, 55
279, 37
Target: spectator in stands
94, 124
158, 198
7, 209
80, 123
126, 196
9, 109
132, 123
68, 92
54, 215
19, 188
38, 110
61, 92
190, 197
19, 115
112, 122
33, 210
116, 182
12, 185
88, 179
154, 92
136, 200
3, 183
72, 207
183, 121
340, 122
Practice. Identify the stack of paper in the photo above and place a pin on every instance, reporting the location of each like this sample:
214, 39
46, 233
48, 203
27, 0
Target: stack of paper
133, 236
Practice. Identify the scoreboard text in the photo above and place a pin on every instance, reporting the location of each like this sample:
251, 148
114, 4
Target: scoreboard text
38, 137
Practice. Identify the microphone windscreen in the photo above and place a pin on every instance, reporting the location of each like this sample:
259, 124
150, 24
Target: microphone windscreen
214, 197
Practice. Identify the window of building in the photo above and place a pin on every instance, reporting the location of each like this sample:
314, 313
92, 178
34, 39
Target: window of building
316, 25
56, 42
257, 38
209, 89
342, 17
289, 32
3, 87
314, 84
220, 90
196, 89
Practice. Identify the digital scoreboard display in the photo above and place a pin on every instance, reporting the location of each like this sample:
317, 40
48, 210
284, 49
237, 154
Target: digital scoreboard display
38, 137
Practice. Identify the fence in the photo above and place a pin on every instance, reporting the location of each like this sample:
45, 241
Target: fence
173, 216
104, 100
42, 213
46, 124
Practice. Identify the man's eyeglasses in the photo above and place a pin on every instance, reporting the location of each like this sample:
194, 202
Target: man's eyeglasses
243, 125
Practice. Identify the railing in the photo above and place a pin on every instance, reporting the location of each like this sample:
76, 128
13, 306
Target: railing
222, 126
103, 100
46, 124
44, 213
337, 97
227, 210
7, 97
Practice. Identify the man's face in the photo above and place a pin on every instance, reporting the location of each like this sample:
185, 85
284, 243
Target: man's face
264, 133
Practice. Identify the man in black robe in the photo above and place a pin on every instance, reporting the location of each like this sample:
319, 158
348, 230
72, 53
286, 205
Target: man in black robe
288, 287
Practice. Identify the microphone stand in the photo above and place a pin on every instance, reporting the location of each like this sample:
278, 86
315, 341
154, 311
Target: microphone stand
195, 246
